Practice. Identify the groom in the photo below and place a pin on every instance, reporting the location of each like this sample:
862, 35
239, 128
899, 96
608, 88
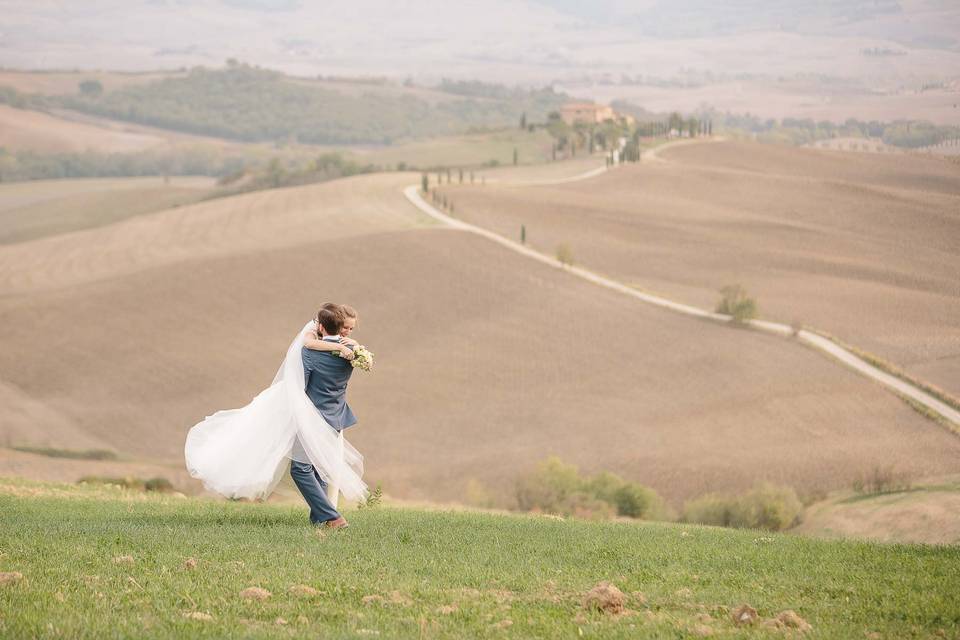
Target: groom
326, 375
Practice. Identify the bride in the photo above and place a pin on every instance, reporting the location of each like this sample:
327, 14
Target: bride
243, 453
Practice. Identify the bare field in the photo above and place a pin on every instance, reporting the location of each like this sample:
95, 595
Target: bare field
487, 362
549, 172
342, 210
21, 129
30, 210
863, 246
66, 131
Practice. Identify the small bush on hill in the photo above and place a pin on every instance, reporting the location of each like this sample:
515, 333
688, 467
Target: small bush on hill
549, 487
735, 303
557, 487
158, 484
581, 504
137, 484
881, 480
713, 508
374, 499
636, 501
766, 506
770, 507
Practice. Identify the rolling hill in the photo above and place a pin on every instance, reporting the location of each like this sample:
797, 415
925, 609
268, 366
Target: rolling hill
130, 333
41, 208
862, 246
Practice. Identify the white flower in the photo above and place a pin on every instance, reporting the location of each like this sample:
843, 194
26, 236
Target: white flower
362, 358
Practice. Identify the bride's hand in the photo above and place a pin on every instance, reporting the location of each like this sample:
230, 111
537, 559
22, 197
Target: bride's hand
346, 352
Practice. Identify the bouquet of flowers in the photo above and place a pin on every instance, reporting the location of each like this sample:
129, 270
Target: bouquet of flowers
362, 358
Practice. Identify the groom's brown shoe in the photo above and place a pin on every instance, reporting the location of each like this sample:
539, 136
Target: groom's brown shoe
338, 523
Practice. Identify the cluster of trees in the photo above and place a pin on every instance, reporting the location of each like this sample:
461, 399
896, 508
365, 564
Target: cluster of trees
559, 488
582, 137
277, 173
913, 135
236, 173
546, 96
29, 165
17, 100
251, 104
908, 134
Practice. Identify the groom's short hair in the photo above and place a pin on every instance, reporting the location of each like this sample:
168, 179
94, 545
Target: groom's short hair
331, 318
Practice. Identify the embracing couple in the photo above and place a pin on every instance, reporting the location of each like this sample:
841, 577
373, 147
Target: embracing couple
300, 418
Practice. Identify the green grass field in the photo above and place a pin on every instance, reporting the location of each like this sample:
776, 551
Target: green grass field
99, 562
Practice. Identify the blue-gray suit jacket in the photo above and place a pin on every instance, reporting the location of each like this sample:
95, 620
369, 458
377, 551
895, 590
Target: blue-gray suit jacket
327, 375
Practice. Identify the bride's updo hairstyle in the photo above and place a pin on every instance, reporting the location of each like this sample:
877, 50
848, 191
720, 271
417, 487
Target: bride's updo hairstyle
348, 311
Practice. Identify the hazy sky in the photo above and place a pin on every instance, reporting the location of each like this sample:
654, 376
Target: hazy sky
514, 41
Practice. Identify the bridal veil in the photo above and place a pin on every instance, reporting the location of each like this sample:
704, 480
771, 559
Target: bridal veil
243, 453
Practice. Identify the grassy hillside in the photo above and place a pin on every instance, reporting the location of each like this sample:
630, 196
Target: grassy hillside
252, 104
926, 512
859, 245
96, 562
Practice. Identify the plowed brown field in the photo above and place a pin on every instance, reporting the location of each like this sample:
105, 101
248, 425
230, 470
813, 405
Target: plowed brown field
863, 246
487, 362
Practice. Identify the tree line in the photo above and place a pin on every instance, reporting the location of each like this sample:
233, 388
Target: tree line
250, 104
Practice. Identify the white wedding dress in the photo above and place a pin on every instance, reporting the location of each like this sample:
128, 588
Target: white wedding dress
243, 453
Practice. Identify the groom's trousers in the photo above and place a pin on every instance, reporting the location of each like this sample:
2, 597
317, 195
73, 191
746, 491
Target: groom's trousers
314, 491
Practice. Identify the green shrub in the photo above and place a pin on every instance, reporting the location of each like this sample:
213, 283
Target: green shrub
129, 482
636, 501
735, 303
549, 487
158, 484
556, 487
766, 506
713, 508
374, 499
769, 507
581, 504
604, 485
565, 255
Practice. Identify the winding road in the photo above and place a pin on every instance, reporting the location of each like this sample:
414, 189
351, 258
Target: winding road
811, 339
